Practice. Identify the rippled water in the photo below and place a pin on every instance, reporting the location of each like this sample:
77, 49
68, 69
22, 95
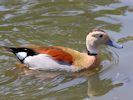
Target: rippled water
65, 23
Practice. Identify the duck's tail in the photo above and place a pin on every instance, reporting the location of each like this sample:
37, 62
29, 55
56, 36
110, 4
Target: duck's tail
10, 49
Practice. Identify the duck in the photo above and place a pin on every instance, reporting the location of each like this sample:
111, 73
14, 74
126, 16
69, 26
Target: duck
59, 58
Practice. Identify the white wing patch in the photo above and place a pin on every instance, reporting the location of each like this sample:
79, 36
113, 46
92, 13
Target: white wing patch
45, 62
21, 55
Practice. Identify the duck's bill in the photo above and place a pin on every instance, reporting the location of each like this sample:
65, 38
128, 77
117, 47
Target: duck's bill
114, 44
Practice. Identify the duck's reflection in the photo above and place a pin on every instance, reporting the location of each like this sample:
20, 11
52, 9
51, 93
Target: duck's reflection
42, 75
98, 86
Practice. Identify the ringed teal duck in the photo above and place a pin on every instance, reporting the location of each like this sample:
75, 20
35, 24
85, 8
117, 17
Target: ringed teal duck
53, 58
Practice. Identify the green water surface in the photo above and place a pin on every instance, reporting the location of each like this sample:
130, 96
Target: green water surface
66, 23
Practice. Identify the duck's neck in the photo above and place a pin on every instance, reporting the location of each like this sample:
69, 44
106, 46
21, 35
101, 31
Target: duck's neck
92, 50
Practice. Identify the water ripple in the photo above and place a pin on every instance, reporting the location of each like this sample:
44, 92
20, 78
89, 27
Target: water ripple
64, 13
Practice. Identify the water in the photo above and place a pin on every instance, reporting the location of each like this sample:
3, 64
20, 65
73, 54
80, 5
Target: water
65, 23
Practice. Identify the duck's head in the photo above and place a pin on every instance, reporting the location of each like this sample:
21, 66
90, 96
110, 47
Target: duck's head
98, 37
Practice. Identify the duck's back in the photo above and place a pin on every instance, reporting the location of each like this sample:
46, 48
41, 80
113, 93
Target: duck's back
60, 58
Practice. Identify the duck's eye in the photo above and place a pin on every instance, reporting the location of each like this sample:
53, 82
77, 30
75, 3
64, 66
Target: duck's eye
101, 36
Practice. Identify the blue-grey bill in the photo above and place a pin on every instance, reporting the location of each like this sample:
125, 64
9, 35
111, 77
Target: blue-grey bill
114, 44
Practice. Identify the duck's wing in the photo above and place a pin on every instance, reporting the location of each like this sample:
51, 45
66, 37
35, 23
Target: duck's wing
55, 52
